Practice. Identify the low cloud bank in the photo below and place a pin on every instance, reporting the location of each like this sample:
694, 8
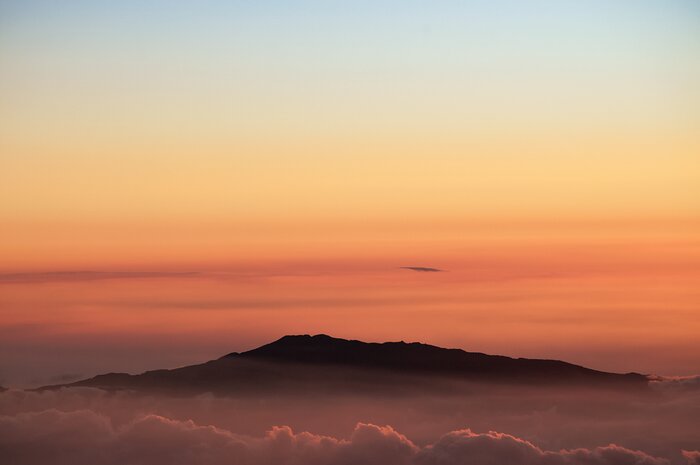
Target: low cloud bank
553, 427
87, 437
675, 382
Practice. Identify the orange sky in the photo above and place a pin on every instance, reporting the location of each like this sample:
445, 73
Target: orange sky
547, 157
617, 302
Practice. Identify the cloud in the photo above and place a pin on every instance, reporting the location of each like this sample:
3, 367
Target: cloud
422, 269
84, 436
466, 447
675, 382
51, 276
692, 456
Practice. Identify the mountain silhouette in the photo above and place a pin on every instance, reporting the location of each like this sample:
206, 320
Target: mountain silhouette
323, 363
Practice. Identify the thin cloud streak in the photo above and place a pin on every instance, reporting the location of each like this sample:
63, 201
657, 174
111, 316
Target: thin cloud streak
422, 269
87, 275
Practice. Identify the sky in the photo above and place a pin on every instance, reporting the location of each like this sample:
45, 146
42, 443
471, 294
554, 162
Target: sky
292, 156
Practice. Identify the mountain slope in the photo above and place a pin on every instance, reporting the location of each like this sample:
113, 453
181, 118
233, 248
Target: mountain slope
325, 364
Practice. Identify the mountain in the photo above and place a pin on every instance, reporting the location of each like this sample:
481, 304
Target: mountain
326, 364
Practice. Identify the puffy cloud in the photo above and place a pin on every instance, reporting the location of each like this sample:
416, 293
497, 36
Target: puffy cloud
692, 456
86, 437
468, 448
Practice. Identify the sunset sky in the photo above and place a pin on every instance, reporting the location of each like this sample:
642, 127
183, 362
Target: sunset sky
274, 164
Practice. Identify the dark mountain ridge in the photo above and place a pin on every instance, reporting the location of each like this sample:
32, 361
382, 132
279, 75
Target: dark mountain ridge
324, 363
416, 357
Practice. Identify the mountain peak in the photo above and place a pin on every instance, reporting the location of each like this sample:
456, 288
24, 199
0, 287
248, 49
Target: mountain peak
423, 359
323, 340
306, 339
322, 348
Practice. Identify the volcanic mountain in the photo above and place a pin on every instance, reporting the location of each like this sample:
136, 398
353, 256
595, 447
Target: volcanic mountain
320, 363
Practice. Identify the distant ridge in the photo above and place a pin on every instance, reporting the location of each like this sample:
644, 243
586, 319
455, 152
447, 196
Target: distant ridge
325, 363
417, 357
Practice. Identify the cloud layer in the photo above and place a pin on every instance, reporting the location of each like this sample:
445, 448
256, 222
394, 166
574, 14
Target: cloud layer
58, 276
84, 436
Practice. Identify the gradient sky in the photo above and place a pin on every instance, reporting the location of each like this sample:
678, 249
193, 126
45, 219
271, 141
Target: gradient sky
522, 142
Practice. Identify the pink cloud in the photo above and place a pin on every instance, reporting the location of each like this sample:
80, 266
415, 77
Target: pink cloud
692, 456
462, 447
84, 436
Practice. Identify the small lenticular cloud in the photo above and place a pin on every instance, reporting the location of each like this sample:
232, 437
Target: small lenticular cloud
422, 269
